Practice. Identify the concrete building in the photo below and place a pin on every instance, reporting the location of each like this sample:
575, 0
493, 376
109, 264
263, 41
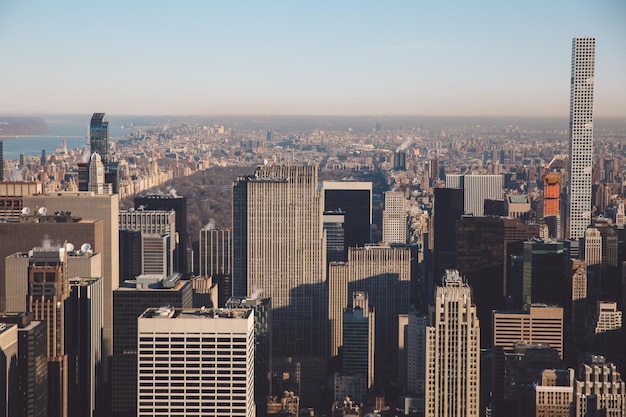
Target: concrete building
32, 378
476, 189
279, 246
395, 218
452, 383
48, 291
170, 202
129, 301
34, 230
216, 258
152, 224
518, 207
605, 330
554, 394
539, 324
103, 207
599, 391
207, 354
384, 273
593, 246
8, 370
580, 136
262, 308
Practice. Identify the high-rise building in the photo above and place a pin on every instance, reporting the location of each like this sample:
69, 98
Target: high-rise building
384, 273
554, 393
593, 246
394, 218
605, 331
358, 339
354, 199
35, 230
1, 162
514, 373
32, 356
179, 205
216, 257
448, 208
8, 369
89, 205
208, 357
83, 335
48, 291
546, 273
155, 254
334, 222
600, 390
132, 249
262, 308
476, 189
452, 383
129, 301
96, 181
279, 247
580, 136
539, 324
551, 193
99, 136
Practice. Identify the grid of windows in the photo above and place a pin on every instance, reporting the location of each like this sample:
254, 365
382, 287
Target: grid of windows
187, 369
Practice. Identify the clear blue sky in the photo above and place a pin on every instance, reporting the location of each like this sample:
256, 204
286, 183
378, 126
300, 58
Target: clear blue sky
318, 57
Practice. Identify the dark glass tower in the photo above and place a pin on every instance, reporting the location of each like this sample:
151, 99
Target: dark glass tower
99, 136
448, 208
354, 199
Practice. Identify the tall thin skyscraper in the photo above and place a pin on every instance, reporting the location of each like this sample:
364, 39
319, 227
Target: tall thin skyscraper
279, 247
581, 136
394, 218
99, 136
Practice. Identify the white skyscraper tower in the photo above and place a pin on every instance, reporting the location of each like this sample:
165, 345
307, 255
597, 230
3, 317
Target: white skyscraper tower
581, 136
452, 352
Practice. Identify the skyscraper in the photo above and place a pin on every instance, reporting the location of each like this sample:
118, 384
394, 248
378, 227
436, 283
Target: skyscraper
452, 383
216, 257
581, 136
476, 189
354, 199
278, 246
212, 349
179, 205
394, 218
48, 291
99, 136
129, 301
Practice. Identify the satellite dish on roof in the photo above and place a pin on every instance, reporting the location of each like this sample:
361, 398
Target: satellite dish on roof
26, 211
85, 247
69, 247
43, 211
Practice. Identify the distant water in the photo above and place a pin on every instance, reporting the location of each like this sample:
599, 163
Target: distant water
73, 129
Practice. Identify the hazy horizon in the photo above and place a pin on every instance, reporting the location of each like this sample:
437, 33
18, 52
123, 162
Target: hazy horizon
325, 58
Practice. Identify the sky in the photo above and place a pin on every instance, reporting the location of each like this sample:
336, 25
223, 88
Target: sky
439, 58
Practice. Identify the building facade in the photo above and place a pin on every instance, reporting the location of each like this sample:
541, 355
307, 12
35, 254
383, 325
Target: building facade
452, 383
208, 355
279, 247
580, 136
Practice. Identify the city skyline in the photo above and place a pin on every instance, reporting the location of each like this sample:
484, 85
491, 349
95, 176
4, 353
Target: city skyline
342, 59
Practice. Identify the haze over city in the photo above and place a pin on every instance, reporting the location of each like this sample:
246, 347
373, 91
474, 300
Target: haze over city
322, 58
